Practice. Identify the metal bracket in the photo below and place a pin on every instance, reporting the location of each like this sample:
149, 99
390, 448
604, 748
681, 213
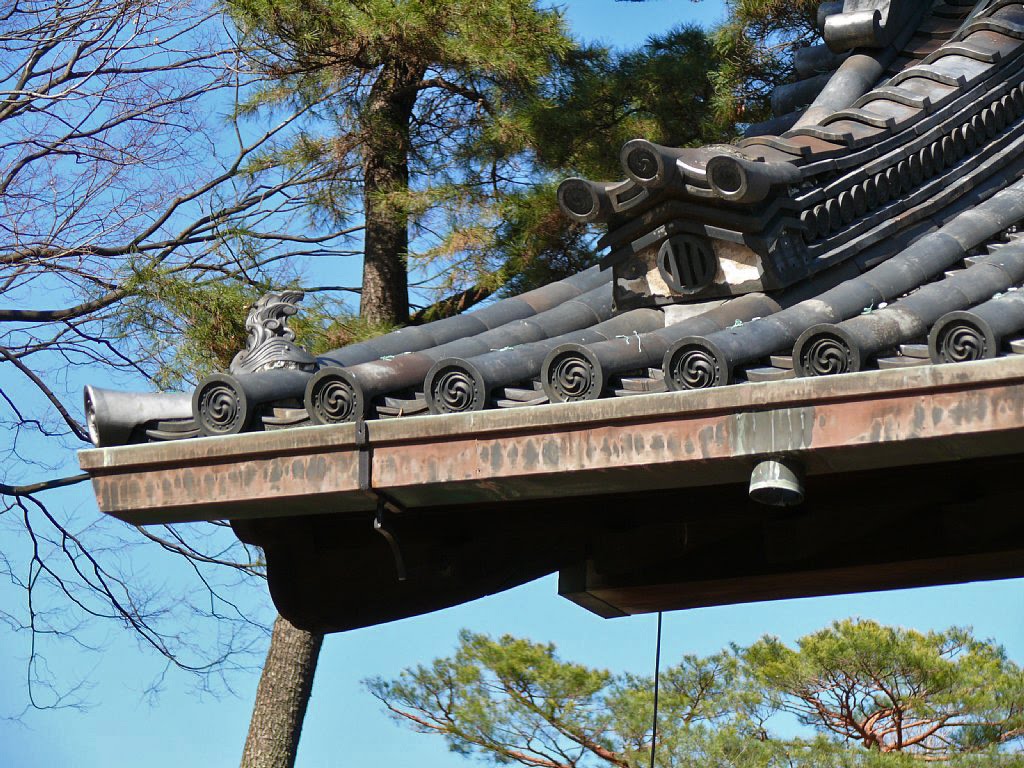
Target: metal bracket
365, 457
386, 506
380, 525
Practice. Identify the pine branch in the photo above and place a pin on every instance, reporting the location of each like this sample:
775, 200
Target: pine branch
451, 305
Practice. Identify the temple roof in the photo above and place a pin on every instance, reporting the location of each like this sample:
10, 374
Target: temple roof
889, 205
862, 246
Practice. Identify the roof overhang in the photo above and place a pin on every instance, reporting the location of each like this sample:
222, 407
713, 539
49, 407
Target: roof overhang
869, 443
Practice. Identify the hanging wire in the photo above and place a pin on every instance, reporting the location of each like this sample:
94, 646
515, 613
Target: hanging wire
657, 686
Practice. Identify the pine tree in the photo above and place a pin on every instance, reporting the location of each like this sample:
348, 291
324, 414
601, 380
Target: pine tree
418, 94
866, 696
755, 48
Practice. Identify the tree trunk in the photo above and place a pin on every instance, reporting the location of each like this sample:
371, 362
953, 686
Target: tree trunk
386, 132
281, 698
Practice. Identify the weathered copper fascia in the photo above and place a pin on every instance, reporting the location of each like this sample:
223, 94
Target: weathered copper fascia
673, 440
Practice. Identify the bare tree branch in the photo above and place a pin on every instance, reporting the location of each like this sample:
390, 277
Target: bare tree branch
44, 485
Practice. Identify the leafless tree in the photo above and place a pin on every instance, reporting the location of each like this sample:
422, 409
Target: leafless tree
127, 175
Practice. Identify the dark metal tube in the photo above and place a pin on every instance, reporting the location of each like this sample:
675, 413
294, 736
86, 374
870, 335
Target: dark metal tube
979, 333
585, 201
708, 361
846, 347
650, 164
574, 372
855, 29
223, 404
859, 73
403, 339
827, 9
457, 384
815, 59
793, 96
744, 181
338, 394
416, 338
226, 404
855, 77
877, 27
773, 127
119, 418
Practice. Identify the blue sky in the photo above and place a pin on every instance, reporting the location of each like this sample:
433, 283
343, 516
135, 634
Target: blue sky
345, 726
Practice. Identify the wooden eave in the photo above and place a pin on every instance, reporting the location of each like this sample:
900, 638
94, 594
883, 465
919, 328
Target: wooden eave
640, 503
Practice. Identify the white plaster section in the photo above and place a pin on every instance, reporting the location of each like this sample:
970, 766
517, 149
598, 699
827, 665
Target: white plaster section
737, 264
655, 282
